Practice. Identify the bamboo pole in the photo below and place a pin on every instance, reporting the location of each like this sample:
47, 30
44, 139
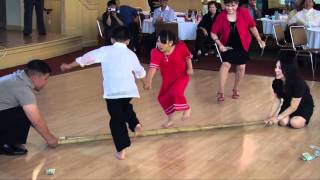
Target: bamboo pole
155, 132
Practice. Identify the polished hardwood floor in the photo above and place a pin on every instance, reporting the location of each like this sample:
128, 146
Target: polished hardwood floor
14, 38
72, 104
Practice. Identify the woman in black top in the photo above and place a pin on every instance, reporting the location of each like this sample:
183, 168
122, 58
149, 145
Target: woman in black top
204, 39
297, 107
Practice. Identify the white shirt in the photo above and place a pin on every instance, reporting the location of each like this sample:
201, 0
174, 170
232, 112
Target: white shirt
167, 14
119, 66
306, 17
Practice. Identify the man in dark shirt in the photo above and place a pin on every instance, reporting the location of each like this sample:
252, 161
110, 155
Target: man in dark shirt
130, 17
204, 40
111, 19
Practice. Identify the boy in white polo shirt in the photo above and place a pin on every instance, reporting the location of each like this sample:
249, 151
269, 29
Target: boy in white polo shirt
119, 66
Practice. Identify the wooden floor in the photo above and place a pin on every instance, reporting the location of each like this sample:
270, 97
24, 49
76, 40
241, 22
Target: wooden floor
12, 38
72, 104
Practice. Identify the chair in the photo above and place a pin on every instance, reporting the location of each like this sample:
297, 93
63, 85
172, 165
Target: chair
173, 27
100, 27
280, 39
299, 43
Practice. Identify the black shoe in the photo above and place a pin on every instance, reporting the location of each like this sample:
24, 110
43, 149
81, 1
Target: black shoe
9, 149
42, 33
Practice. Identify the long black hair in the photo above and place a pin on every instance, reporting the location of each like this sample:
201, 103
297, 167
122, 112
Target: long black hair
290, 71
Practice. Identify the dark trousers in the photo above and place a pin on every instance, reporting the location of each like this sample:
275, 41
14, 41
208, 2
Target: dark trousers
134, 30
202, 43
14, 126
28, 10
150, 43
121, 112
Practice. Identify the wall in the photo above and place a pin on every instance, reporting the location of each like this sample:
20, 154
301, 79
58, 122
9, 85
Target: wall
79, 18
53, 19
275, 4
14, 14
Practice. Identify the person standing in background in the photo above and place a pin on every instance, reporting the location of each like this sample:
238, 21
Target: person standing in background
28, 11
153, 4
232, 31
111, 19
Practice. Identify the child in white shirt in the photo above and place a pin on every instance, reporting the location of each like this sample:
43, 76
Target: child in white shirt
119, 66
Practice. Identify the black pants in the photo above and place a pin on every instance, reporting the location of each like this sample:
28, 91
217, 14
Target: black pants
202, 43
121, 112
150, 43
14, 126
134, 36
28, 10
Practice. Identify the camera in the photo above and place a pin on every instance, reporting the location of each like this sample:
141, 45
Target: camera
112, 9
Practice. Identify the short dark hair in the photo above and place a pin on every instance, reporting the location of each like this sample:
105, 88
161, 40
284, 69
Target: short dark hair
212, 2
120, 34
166, 36
230, 1
37, 66
111, 2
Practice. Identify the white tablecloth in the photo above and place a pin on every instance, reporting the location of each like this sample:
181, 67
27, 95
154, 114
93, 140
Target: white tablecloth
313, 37
268, 25
186, 30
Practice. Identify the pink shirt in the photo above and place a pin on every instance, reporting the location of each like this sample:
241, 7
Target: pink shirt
244, 22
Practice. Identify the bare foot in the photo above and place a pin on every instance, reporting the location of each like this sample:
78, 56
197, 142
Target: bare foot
186, 115
120, 155
137, 132
167, 124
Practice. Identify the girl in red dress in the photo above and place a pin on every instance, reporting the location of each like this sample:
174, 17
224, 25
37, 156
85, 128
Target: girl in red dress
173, 59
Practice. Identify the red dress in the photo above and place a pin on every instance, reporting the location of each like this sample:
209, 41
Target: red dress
175, 79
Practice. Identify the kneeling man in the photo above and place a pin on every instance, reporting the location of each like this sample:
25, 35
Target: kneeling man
19, 110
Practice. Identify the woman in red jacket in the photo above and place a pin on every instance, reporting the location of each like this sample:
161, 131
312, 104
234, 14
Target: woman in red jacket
231, 32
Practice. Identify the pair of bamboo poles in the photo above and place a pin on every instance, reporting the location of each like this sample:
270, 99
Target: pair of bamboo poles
155, 132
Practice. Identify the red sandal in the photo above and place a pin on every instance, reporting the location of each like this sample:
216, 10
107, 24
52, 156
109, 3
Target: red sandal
235, 94
220, 97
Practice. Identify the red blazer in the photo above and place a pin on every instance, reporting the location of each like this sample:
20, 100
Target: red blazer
221, 27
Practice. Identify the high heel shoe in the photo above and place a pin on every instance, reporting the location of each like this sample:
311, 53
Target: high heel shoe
235, 94
220, 97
